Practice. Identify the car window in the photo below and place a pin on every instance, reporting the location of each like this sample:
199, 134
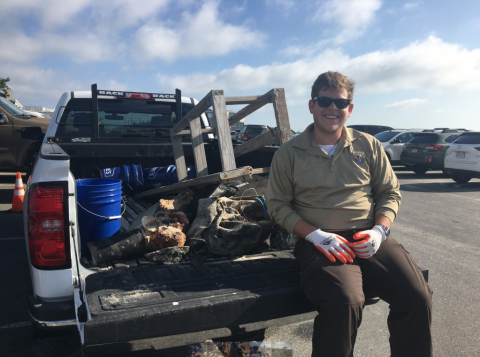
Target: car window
449, 139
254, 130
468, 139
404, 138
374, 129
10, 107
119, 118
385, 136
424, 139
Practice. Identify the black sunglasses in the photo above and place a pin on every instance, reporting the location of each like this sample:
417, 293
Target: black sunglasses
325, 102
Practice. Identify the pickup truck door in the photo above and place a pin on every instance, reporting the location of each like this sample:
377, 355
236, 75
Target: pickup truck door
19, 145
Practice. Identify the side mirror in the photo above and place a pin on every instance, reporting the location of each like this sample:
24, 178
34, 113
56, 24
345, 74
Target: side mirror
32, 133
3, 119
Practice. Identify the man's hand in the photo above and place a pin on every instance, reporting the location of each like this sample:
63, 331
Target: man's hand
331, 245
369, 243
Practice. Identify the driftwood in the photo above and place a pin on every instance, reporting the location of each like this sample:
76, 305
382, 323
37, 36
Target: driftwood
183, 199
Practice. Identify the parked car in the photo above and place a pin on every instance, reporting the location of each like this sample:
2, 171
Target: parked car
370, 129
426, 150
249, 131
393, 141
16, 153
462, 159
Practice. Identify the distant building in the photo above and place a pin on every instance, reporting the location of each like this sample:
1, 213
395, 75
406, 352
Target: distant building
37, 109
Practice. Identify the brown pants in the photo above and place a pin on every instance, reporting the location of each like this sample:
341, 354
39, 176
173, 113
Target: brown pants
337, 289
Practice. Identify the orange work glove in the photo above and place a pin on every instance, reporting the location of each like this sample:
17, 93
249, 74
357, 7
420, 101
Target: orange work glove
369, 243
332, 245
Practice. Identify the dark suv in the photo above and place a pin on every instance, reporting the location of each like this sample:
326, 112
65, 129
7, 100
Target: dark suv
249, 131
426, 150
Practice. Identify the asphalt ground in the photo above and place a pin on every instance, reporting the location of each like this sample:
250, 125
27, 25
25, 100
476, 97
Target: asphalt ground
438, 223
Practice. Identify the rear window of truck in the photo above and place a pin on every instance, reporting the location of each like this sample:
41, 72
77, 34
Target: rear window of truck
119, 118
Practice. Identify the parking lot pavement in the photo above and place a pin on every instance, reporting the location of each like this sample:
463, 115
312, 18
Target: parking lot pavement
437, 223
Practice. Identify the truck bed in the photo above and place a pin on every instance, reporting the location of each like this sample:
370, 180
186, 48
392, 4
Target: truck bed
138, 300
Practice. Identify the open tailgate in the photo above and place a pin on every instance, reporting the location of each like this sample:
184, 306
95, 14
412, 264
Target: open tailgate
147, 302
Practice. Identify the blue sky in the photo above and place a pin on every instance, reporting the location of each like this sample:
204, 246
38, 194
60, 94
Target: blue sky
415, 63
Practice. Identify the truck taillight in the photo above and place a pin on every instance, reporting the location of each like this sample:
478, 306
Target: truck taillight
245, 138
432, 147
46, 226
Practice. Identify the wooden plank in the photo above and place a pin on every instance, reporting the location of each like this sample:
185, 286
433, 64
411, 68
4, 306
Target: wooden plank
281, 115
179, 156
262, 170
223, 132
241, 100
220, 177
257, 142
196, 111
249, 109
198, 147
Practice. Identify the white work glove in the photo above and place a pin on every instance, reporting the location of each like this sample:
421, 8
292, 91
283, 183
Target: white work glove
332, 245
369, 243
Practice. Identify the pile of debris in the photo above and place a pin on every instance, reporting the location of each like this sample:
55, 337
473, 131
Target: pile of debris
217, 221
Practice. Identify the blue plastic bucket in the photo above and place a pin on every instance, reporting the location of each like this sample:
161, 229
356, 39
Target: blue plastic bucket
155, 177
118, 173
136, 181
99, 209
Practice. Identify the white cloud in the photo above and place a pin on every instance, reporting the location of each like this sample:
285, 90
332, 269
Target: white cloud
411, 5
351, 17
33, 85
428, 65
406, 104
346, 25
92, 31
54, 13
198, 35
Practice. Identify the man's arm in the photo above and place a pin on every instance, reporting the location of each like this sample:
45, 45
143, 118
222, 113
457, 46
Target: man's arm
303, 229
381, 219
280, 192
385, 186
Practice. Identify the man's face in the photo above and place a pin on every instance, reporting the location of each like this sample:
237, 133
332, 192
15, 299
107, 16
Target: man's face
330, 120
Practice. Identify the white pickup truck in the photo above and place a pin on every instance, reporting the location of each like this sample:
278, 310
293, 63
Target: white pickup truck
133, 305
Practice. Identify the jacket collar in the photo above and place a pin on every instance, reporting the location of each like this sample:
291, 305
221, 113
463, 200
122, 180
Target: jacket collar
304, 140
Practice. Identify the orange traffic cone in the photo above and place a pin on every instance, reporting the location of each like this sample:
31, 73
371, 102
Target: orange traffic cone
18, 193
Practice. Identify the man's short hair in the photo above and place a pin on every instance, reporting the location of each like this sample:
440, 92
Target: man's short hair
333, 80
